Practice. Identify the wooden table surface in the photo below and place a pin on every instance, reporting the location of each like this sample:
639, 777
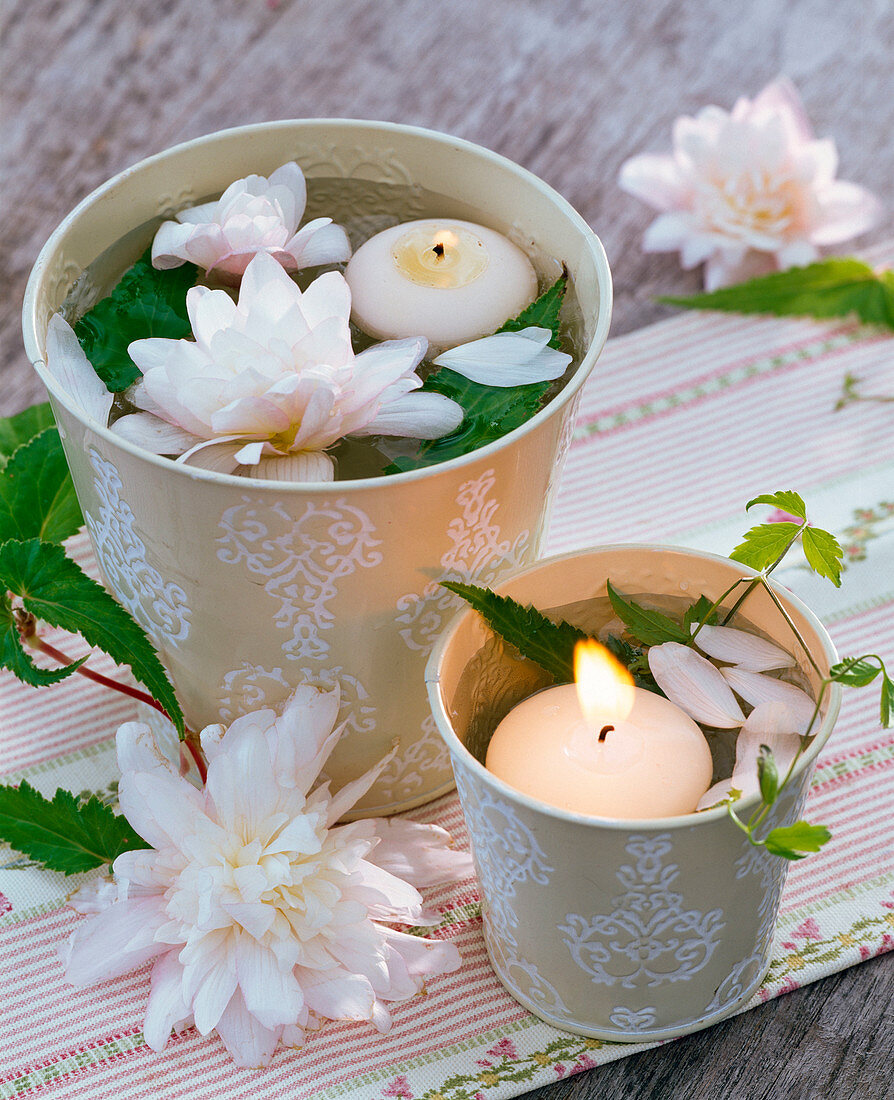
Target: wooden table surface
568, 89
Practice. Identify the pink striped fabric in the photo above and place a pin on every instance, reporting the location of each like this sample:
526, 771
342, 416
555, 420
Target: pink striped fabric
681, 424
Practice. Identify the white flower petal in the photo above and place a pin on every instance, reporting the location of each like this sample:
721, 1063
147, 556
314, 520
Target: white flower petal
118, 939
71, 368
352, 792
756, 688
415, 416
695, 685
742, 648
153, 434
248, 1041
507, 359
420, 854
139, 750
165, 1007
94, 896
654, 179
775, 725
304, 466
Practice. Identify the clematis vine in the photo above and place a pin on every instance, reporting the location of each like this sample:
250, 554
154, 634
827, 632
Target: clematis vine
748, 191
261, 916
255, 214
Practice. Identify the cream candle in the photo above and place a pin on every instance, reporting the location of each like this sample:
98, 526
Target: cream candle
603, 747
449, 281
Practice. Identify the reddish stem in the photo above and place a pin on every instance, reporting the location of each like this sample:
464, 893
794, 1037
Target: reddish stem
97, 677
196, 754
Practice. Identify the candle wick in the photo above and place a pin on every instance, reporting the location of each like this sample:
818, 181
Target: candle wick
438, 250
604, 732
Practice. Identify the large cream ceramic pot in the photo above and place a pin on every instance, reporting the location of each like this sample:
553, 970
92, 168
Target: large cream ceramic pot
249, 588
623, 930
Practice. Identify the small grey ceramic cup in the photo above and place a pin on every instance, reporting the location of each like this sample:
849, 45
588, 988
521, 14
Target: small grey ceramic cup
619, 930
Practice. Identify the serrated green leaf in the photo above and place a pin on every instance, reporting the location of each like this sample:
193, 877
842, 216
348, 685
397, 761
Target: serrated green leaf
695, 613
767, 775
646, 625
830, 288
548, 644
63, 834
18, 429
146, 302
823, 553
765, 544
542, 313
787, 500
37, 496
55, 589
14, 657
854, 673
635, 661
793, 841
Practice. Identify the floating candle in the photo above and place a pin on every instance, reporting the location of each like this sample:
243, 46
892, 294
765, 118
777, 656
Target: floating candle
450, 281
602, 746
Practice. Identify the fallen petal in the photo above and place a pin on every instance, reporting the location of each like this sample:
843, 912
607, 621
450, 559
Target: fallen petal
772, 724
73, 371
695, 685
741, 648
756, 688
507, 359
302, 466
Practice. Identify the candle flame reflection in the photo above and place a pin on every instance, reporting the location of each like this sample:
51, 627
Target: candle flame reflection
604, 686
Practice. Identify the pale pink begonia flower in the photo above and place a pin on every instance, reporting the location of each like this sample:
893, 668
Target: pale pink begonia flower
261, 916
276, 375
255, 214
748, 191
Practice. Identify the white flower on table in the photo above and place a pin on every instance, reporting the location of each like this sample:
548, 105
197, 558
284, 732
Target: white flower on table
263, 917
748, 191
255, 214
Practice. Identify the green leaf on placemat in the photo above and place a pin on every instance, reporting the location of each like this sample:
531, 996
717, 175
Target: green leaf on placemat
55, 589
37, 496
146, 302
795, 841
18, 429
543, 313
647, 626
548, 644
64, 834
830, 288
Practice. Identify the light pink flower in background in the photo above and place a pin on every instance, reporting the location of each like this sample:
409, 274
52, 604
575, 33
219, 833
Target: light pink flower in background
255, 214
261, 916
748, 191
275, 376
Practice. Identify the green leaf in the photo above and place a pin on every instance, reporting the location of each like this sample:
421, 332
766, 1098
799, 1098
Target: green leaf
823, 553
635, 661
542, 313
696, 612
146, 302
887, 701
647, 626
853, 671
830, 288
16, 659
55, 589
765, 544
793, 841
767, 775
785, 500
490, 413
37, 496
63, 834
548, 644
18, 429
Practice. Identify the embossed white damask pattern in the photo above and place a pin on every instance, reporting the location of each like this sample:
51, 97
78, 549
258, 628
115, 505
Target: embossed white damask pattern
476, 553
159, 606
633, 1022
649, 935
409, 771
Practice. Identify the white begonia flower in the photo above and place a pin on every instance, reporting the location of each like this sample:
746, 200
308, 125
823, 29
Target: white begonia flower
255, 214
749, 190
741, 648
275, 375
695, 685
507, 358
261, 916
771, 724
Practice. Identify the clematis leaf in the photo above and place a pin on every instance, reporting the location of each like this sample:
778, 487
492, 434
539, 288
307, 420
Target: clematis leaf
854, 671
63, 833
830, 288
887, 701
542, 313
145, 303
646, 625
19, 429
765, 544
794, 841
785, 500
546, 643
695, 613
37, 496
823, 553
54, 588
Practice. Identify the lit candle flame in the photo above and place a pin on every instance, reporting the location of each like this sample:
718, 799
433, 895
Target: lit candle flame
604, 686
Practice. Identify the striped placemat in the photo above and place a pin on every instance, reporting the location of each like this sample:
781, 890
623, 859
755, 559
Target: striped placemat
680, 425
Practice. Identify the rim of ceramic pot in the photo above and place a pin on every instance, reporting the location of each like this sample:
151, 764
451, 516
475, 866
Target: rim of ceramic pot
679, 821
592, 244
